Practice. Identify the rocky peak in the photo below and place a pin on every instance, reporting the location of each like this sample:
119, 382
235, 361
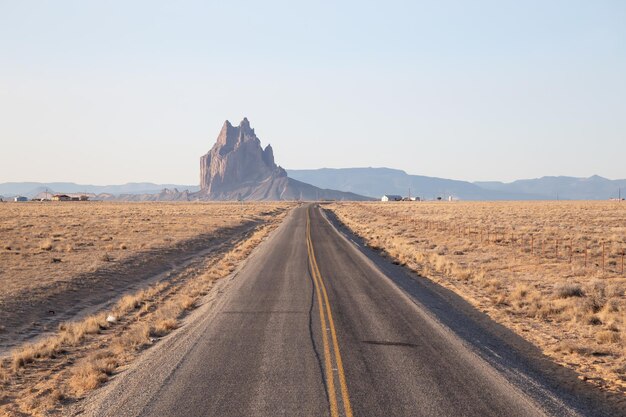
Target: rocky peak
268, 156
237, 158
245, 124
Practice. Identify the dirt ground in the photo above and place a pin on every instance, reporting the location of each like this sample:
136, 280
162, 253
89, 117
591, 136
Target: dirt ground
551, 271
129, 274
59, 260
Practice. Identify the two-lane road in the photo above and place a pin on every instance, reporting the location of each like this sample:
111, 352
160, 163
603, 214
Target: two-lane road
311, 327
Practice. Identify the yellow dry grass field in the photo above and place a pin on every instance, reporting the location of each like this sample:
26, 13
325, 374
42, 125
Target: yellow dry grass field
551, 271
57, 369
50, 243
58, 258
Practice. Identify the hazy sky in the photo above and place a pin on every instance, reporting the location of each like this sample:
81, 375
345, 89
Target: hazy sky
114, 91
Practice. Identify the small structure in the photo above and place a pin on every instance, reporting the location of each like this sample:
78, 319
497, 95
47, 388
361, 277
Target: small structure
61, 197
84, 198
19, 198
391, 197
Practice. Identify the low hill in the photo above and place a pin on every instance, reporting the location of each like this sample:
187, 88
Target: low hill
33, 189
375, 182
567, 188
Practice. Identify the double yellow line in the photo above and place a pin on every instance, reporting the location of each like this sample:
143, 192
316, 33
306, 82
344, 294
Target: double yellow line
320, 289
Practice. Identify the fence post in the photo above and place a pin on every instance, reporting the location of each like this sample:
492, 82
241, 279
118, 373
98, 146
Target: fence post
623, 253
570, 250
556, 249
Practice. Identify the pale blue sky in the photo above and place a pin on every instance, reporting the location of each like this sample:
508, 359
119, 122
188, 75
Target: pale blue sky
114, 91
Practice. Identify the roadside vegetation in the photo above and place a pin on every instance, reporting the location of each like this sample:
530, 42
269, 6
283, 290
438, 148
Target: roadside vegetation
70, 256
86, 236
551, 271
41, 378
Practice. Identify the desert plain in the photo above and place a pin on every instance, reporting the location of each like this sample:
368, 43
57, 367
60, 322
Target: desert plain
551, 271
87, 285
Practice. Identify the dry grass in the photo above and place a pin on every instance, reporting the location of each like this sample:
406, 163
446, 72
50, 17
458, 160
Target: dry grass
569, 290
524, 264
92, 371
76, 251
83, 354
85, 236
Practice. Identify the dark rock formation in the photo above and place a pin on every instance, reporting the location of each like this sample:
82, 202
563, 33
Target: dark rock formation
238, 168
236, 160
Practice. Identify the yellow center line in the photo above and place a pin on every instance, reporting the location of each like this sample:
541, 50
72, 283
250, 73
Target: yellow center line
316, 272
330, 380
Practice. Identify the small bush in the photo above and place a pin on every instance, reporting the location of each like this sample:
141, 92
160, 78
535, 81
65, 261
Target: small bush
607, 336
520, 292
129, 303
92, 372
4, 375
137, 337
569, 290
163, 326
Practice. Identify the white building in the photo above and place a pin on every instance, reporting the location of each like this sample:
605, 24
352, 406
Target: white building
391, 197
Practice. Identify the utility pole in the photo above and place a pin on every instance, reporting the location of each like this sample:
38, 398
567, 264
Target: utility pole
409, 193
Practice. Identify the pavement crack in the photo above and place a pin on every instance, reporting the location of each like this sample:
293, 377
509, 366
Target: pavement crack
317, 354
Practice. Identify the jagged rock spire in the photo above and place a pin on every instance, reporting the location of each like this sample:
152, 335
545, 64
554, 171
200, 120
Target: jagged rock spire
237, 157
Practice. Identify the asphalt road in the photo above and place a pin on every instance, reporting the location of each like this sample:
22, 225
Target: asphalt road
314, 326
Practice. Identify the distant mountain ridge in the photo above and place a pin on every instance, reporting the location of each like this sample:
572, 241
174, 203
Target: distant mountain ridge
375, 182
32, 189
562, 187
372, 182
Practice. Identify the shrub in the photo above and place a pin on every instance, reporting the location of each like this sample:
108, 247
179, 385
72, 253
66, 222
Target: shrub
569, 290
